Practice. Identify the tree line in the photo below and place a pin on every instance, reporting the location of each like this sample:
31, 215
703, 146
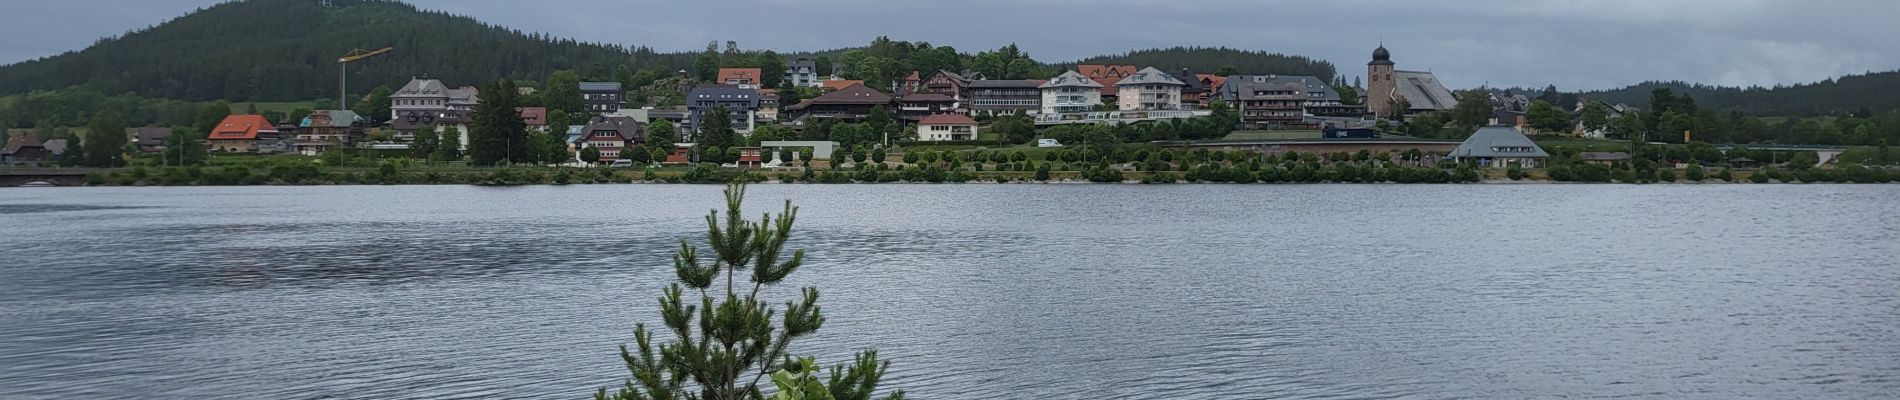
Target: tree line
1221, 60
1665, 117
286, 50
1852, 95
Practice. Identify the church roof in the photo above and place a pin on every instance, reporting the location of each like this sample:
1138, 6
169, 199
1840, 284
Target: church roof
1381, 57
1423, 90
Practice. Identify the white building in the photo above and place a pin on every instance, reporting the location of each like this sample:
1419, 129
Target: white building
943, 127
1149, 89
428, 96
802, 73
1070, 92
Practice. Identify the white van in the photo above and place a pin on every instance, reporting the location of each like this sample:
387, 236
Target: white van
1048, 143
621, 164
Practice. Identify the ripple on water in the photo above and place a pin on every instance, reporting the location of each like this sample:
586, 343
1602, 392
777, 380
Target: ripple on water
980, 291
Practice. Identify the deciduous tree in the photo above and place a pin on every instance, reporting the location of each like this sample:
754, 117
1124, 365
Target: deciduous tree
771, 69
1546, 117
591, 154
374, 106
105, 141
424, 144
562, 94
450, 148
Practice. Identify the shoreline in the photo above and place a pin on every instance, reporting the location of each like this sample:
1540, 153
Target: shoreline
1065, 174
1063, 182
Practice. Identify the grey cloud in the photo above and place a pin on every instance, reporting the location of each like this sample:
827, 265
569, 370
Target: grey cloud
1571, 43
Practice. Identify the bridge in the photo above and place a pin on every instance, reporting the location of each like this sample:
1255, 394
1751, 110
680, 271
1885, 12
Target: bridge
1117, 117
10, 177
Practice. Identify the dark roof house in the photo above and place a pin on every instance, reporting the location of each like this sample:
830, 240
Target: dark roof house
25, 147
850, 103
152, 139
1500, 146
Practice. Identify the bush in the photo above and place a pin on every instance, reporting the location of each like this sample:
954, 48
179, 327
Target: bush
1516, 173
1104, 175
1758, 177
1468, 174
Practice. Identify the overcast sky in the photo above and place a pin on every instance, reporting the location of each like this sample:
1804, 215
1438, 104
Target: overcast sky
1574, 44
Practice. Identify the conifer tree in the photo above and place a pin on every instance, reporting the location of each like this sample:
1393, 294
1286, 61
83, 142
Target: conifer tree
737, 342
498, 134
715, 128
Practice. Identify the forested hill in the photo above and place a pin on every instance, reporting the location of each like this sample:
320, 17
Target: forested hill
286, 50
1213, 59
1853, 94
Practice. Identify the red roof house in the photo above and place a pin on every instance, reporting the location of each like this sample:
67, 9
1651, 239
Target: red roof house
1107, 75
239, 133
534, 116
743, 77
943, 127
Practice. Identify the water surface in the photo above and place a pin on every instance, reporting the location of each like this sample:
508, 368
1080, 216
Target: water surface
973, 291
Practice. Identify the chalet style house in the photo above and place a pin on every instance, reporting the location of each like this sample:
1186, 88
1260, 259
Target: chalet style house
947, 83
25, 148
324, 130
241, 133
851, 104
613, 136
837, 84
914, 107
151, 139
744, 78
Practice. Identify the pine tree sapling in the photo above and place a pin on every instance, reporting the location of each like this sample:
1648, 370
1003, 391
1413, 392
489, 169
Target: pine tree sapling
737, 342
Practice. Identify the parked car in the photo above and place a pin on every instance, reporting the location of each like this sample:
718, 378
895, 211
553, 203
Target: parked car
621, 164
1048, 143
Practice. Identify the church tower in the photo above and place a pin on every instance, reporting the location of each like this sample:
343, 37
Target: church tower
1379, 84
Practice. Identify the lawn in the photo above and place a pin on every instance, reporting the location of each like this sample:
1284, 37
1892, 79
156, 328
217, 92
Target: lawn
1582, 144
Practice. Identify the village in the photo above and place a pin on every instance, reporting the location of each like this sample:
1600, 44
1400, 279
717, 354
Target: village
738, 121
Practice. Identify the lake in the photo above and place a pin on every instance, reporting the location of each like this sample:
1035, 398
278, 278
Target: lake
972, 291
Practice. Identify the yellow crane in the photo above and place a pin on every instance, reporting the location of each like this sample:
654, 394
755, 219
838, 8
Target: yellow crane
343, 75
